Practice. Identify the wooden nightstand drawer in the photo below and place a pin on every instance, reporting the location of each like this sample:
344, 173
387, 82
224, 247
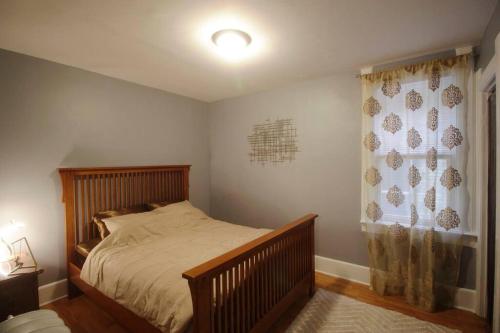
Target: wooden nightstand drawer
18, 294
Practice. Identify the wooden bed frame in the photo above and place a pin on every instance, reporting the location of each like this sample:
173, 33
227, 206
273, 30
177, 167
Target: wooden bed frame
243, 290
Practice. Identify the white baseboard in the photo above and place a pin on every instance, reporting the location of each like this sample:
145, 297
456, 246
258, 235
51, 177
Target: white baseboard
342, 269
51, 292
465, 298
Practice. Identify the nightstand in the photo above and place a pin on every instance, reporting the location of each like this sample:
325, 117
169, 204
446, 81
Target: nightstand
19, 293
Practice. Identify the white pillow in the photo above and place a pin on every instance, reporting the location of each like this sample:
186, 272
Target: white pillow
183, 207
116, 222
112, 226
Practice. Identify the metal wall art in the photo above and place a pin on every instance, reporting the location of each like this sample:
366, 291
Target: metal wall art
273, 142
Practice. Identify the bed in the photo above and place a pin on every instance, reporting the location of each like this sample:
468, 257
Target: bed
241, 284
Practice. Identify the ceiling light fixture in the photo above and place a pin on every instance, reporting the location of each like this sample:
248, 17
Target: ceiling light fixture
231, 42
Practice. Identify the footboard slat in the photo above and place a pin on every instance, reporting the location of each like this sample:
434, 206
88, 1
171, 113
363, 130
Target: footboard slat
248, 288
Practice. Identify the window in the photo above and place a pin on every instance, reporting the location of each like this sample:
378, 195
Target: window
414, 146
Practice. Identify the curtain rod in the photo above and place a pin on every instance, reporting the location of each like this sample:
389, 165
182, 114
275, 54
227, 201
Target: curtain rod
456, 51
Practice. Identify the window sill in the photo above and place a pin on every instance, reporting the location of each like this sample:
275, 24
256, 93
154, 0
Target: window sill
470, 240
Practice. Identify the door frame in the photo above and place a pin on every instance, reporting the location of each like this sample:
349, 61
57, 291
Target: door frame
486, 79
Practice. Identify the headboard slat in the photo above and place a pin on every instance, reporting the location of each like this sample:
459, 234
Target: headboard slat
87, 191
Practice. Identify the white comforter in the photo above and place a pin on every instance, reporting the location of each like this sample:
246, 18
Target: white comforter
140, 264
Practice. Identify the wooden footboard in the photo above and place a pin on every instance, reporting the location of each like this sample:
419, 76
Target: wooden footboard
248, 288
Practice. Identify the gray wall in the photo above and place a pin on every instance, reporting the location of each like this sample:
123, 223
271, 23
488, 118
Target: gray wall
53, 116
487, 46
325, 178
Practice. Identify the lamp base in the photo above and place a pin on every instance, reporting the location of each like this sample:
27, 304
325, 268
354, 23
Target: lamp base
9, 266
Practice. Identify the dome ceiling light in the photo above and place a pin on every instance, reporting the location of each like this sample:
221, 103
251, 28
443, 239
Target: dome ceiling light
232, 43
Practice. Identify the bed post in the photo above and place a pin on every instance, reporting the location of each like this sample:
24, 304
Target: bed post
312, 288
69, 205
200, 295
186, 182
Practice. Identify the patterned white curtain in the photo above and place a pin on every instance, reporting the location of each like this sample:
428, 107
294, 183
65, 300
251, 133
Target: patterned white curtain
414, 196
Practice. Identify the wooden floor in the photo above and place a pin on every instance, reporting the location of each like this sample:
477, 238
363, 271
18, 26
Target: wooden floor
82, 316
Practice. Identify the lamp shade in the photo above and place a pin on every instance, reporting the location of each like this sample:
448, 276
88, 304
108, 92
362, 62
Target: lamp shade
6, 257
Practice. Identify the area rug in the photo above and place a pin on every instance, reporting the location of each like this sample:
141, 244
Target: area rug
331, 312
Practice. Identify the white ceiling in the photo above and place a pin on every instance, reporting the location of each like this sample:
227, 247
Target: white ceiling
165, 44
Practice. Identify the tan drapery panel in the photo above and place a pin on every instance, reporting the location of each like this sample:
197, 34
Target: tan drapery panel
414, 196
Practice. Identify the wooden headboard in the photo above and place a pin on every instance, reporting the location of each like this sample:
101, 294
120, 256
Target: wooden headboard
87, 191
